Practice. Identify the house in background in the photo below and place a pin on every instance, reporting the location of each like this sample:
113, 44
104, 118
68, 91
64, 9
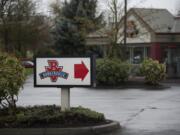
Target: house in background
153, 33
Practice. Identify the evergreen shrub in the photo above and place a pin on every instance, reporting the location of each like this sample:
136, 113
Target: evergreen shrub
153, 71
12, 77
111, 71
49, 116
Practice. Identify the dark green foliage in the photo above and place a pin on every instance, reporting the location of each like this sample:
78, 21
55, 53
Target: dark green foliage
12, 78
115, 51
98, 50
21, 28
76, 19
69, 41
46, 52
153, 71
111, 71
50, 116
84, 13
28, 71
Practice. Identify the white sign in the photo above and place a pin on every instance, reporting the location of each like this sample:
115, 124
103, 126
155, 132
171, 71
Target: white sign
59, 72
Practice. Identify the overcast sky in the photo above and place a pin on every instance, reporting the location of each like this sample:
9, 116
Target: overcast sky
171, 5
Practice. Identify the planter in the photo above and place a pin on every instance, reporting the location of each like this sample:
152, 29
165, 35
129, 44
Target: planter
112, 126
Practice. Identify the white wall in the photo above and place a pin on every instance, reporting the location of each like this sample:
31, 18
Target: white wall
144, 35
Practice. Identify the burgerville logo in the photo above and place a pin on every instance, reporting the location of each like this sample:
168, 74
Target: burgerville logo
53, 71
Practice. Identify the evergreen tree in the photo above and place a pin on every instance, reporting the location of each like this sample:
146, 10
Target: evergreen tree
68, 40
84, 13
76, 19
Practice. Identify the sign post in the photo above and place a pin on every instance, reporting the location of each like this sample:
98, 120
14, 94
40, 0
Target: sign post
63, 73
65, 99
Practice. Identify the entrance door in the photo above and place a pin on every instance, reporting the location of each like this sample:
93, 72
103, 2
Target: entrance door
174, 62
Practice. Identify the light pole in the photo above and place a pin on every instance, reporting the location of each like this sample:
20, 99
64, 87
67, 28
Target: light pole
125, 21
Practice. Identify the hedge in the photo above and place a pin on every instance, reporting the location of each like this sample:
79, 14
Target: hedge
111, 71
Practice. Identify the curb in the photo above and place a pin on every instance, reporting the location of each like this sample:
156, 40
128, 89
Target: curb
62, 131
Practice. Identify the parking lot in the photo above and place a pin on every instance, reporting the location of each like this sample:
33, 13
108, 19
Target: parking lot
139, 111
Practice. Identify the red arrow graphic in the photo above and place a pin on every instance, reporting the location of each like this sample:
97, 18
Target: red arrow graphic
80, 71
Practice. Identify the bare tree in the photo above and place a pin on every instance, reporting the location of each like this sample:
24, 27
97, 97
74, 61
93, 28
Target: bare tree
55, 8
6, 7
115, 29
21, 28
115, 14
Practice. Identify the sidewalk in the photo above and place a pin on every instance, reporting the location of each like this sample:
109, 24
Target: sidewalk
139, 79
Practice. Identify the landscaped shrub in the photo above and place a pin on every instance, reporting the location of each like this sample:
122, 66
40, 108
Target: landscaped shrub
12, 78
49, 116
153, 71
111, 71
28, 71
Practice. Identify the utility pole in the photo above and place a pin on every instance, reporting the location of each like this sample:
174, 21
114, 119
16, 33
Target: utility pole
125, 22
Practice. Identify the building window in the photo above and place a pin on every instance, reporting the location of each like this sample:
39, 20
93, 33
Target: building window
138, 55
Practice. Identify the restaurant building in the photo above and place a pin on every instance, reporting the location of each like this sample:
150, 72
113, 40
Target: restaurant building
151, 33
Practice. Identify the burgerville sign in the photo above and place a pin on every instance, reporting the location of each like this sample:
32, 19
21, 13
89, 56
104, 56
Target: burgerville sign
63, 72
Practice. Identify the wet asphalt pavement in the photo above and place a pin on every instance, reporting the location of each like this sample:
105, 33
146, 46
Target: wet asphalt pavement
139, 111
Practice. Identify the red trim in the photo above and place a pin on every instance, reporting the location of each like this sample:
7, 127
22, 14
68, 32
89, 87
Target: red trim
156, 52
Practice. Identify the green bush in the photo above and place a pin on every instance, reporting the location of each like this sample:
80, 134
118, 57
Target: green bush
11, 80
111, 71
28, 71
49, 116
153, 71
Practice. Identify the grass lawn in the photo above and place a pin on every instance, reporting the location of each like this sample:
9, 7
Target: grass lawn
28, 71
